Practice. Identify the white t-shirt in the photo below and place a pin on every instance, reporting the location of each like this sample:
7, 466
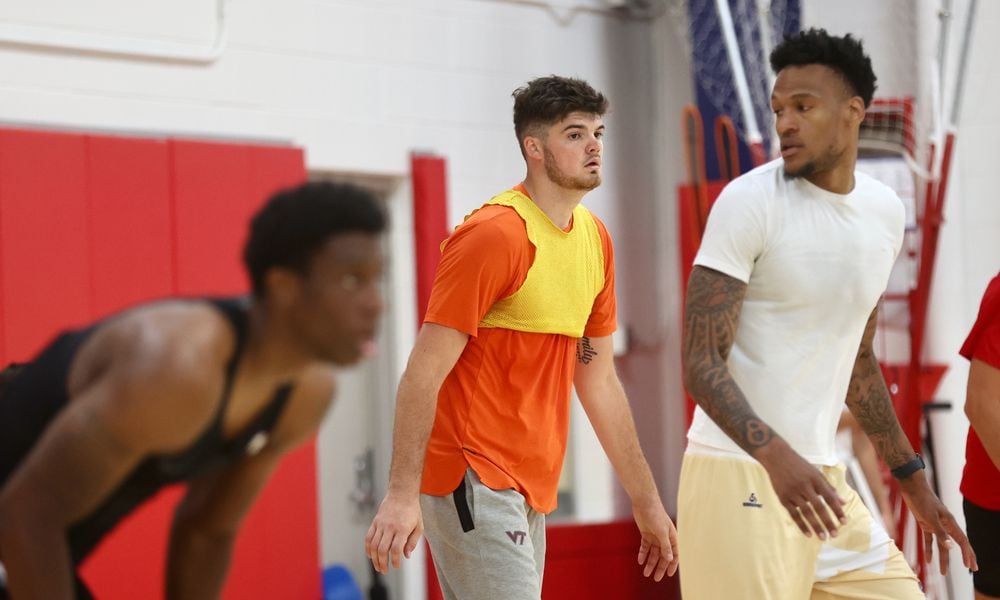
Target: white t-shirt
815, 264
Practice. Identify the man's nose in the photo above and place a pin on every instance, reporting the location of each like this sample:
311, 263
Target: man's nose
785, 124
373, 301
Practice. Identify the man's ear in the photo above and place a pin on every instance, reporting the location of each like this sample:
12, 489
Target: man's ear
533, 147
283, 286
856, 110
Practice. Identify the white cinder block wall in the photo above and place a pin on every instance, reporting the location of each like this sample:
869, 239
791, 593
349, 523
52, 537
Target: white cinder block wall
362, 83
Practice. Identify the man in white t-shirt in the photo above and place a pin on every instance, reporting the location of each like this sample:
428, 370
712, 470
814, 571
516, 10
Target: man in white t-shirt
779, 319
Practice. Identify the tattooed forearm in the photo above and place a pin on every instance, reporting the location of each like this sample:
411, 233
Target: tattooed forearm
585, 351
869, 402
711, 314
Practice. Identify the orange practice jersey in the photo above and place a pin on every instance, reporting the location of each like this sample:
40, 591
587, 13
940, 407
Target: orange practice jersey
504, 408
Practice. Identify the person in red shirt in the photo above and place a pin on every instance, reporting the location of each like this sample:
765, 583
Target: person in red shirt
522, 309
981, 478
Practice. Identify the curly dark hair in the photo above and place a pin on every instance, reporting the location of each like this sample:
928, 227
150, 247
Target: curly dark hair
548, 100
845, 55
296, 222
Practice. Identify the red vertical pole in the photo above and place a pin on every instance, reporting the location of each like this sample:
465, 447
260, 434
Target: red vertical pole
430, 221
931, 227
430, 228
919, 304
726, 150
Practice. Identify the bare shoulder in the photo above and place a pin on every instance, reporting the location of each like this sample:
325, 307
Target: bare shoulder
171, 335
156, 370
309, 402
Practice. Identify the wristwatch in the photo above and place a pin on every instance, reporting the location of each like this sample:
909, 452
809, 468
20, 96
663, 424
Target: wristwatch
909, 468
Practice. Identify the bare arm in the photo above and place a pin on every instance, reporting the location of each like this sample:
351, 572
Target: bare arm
711, 315
207, 520
152, 399
982, 406
603, 398
397, 525
869, 402
205, 526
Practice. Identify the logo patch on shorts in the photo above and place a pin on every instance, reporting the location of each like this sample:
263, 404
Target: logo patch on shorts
753, 501
517, 537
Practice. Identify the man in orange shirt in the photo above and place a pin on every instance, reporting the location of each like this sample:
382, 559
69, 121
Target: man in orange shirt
523, 308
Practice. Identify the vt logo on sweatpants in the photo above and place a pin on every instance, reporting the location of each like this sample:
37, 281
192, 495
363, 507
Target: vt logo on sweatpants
517, 537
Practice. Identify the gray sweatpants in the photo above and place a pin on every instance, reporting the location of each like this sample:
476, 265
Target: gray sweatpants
486, 544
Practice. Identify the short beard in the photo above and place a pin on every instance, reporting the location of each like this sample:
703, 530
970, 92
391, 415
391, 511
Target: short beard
804, 171
815, 166
565, 181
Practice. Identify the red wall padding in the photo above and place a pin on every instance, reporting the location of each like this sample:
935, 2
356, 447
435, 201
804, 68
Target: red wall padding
689, 238
430, 222
44, 238
211, 195
91, 224
597, 562
217, 187
592, 562
131, 242
278, 551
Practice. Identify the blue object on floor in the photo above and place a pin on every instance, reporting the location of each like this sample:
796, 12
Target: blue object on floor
339, 584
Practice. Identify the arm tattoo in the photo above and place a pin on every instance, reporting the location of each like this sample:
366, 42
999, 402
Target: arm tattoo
584, 351
711, 314
869, 402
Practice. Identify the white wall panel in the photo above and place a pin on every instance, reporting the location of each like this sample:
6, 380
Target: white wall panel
188, 20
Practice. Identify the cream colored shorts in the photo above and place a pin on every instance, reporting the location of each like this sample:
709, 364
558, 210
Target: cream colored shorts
737, 542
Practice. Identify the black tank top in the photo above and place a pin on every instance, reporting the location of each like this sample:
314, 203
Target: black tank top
35, 394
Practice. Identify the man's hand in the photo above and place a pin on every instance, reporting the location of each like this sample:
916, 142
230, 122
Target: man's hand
603, 398
935, 522
807, 496
658, 548
394, 533
398, 525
